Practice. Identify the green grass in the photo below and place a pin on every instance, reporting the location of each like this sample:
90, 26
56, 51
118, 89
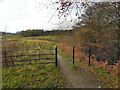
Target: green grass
73, 67
34, 75
45, 37
11, 37
18, 37
69, 59
40, 37
101, 73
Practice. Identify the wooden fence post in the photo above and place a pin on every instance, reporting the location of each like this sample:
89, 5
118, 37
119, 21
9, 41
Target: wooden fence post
89, 54
56, 56
73, 55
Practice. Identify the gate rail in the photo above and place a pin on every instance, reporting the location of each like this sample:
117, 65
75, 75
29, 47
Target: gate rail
9, 61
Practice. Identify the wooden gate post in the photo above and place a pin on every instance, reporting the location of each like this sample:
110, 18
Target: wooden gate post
73, 55
56, 56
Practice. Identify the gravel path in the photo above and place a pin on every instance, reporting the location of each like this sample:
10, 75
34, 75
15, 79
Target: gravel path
75, 79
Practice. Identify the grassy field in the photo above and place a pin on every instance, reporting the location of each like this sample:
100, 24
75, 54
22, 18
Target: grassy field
42, 37
18, 37
43, 75
33, 75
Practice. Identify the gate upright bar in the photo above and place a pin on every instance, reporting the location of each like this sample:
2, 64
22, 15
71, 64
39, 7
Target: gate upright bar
89, 54
73, 55
56, 56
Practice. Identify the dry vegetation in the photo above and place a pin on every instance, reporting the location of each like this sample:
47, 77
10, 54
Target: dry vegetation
104, 51
82, 57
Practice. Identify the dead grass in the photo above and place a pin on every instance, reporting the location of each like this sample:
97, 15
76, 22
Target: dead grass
109, 75
113, 69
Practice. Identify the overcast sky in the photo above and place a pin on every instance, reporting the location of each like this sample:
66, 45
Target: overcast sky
17, 15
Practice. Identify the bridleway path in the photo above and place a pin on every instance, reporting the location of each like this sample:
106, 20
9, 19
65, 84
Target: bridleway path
77, 79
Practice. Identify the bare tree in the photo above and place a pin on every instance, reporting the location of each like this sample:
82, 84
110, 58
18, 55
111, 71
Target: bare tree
104, 17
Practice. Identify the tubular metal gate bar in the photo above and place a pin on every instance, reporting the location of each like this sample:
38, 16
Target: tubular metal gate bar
9, 61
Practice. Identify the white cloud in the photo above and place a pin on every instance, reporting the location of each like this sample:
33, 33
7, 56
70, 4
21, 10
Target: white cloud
22, 14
